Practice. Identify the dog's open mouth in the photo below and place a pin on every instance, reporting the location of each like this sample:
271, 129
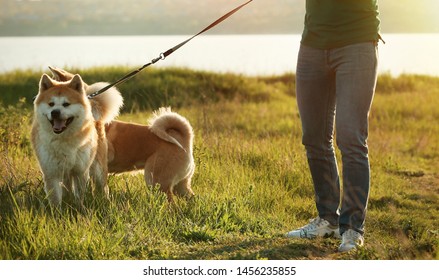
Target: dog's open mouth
59, 125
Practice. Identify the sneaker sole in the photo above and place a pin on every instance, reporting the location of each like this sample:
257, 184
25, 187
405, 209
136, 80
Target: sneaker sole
332, 234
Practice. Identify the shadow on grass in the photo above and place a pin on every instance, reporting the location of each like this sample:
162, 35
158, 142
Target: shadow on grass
261, 248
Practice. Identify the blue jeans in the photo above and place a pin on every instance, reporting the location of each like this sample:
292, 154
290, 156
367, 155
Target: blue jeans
334, 90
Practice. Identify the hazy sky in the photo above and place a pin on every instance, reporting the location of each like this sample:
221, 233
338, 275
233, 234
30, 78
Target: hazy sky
106, 17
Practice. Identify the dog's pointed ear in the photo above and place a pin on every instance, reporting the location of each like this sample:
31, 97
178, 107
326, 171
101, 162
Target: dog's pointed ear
60, 74
45, 82
77, 84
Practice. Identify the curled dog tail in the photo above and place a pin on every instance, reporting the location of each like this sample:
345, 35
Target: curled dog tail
106, 106
172, 128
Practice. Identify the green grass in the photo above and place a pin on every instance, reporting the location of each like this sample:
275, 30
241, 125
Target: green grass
251, 180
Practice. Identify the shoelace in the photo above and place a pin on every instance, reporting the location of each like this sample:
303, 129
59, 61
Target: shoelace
352, 237
313, 223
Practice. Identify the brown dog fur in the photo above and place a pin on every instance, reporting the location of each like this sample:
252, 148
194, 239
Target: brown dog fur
163, 148
69, 140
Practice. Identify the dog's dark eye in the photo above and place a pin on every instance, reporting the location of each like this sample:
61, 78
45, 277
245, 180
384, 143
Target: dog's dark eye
65, 104
51, 104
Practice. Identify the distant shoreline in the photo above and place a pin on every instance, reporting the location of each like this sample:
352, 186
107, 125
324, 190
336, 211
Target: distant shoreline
183, 34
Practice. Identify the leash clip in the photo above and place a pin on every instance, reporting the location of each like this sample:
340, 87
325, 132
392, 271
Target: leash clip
161, 57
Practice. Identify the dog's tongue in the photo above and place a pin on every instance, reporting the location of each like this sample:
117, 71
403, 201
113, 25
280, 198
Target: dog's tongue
59, 125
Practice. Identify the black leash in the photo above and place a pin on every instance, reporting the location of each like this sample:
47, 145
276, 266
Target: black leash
166, 53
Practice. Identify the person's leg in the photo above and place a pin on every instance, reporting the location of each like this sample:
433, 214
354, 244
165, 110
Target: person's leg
315, 90
356, 76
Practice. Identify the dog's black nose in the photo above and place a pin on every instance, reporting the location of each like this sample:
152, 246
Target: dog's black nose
55, 114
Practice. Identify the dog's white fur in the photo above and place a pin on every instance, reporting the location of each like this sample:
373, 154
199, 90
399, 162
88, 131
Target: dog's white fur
70, 144
163, 148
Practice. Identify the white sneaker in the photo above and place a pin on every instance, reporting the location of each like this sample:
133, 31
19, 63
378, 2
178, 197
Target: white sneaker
317, 227
351, 239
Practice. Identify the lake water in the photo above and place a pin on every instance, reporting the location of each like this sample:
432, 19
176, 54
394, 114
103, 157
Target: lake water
242, 54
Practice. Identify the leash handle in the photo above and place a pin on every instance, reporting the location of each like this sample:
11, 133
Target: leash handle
167, 53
